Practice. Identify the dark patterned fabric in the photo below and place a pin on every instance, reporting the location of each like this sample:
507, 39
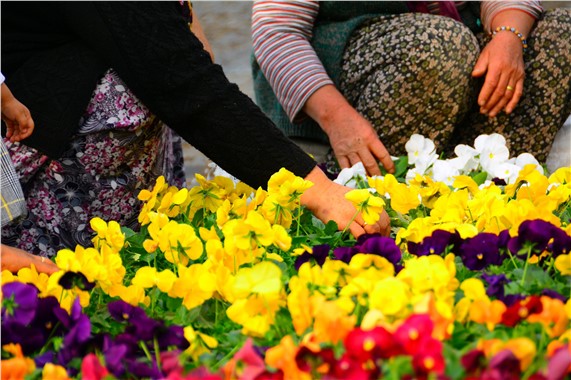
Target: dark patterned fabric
423, 84
546, 100
151, 48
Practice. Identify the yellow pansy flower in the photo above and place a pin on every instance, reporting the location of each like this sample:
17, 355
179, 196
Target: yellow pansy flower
147, 277
563, 264
260, 228
132, 294
194, 285
367, 204
391, 296
199, 343
54, 372
466, 182
263, 278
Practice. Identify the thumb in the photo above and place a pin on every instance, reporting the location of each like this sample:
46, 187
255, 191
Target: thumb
481, 65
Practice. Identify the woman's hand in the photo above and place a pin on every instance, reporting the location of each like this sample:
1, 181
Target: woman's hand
19, 123
326, 200
501, 61
14, 259
351, 136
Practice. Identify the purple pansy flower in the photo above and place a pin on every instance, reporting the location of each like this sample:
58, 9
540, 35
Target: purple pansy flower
496, 284
480, 251
320, 253
435, 244
345, 253
172, 336
536, 232
381, 246
561, 244
19, 302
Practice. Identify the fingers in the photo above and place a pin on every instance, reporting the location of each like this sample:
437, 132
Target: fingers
493, 90
518, 92
382, 154
343, 161
369, 162
23, 126
500, 98
481, 65
382, 226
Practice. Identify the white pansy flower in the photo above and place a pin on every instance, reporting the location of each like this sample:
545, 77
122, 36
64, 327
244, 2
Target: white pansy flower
419, 148
444, 171
506, 171
467, 158
526, 159
347, 176
493, 156
493, 141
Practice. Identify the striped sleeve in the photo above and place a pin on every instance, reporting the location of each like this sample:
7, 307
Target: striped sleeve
490, 8
281, 31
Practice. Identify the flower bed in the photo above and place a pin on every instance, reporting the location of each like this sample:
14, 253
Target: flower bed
226, 282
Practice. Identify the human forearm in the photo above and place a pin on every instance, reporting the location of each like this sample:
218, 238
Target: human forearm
14, 259
351, 135
177, 80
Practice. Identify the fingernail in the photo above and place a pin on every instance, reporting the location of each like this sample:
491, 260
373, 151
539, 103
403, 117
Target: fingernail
481, 102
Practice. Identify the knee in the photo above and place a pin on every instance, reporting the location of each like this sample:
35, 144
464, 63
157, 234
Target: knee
451, 44
553, 30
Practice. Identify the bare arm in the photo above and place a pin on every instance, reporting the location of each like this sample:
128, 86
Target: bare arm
352, 137
14, 259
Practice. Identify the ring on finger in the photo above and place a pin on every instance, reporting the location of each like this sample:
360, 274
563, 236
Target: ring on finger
509, 88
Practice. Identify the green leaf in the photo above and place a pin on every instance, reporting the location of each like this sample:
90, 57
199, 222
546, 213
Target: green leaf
479, 177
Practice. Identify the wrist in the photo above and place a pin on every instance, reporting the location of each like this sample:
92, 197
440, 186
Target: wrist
310, 197
509, 30
325, 105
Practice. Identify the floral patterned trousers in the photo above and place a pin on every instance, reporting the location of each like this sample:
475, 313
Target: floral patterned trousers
423, 84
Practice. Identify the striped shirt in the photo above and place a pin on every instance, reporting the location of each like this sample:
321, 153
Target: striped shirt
281, 31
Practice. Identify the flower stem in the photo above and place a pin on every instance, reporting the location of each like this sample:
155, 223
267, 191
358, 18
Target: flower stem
146, 350
525, 265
